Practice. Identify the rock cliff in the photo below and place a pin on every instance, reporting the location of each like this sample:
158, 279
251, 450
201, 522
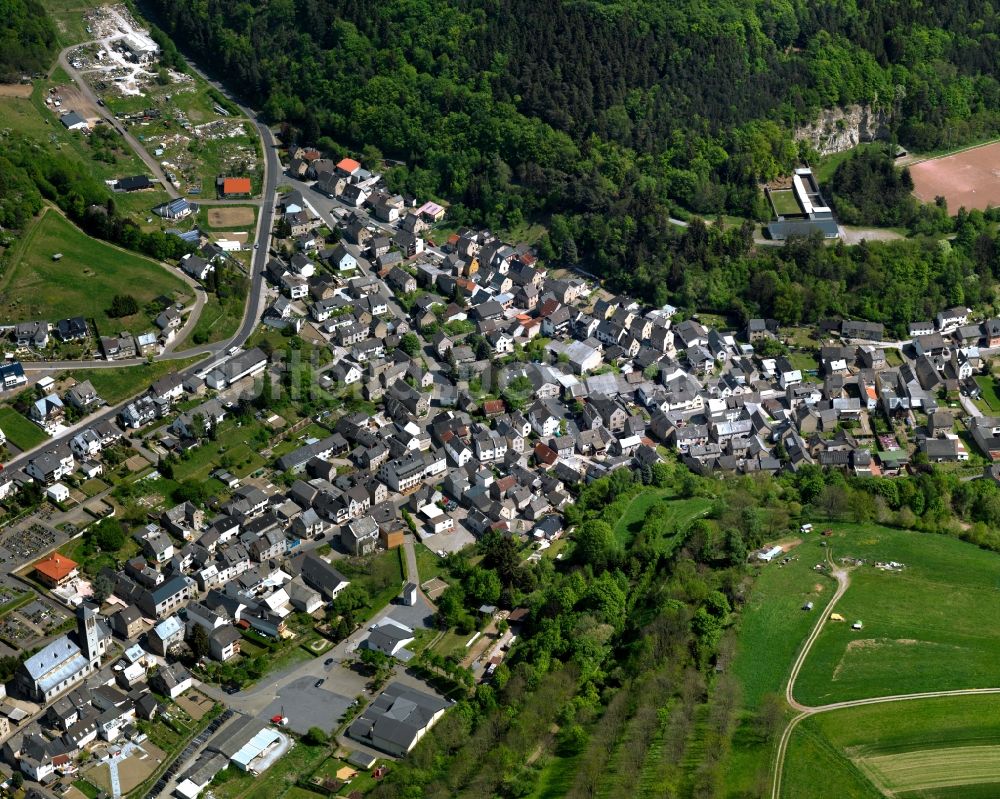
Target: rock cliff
839, 129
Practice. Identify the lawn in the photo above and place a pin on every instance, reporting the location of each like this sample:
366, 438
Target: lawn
88, 789
117, 384
233, 449
928, 627
20, 431
988, 386
681, 512
926, 748
83, 281
429, 565
805, 361
785, 203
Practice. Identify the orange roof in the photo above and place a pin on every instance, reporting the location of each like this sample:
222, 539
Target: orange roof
56, 567
348, 165
236, 186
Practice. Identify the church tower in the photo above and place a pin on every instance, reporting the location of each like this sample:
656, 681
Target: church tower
89, 634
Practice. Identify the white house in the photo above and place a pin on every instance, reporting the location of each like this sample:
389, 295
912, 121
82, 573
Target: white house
57, 492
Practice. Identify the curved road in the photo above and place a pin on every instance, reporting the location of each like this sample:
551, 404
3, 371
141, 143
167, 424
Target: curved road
843, 582
254, 307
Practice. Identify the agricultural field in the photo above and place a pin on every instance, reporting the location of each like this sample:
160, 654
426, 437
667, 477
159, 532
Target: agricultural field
228, 217
85, 279
940, 748
20, 431
929, 626
967, 178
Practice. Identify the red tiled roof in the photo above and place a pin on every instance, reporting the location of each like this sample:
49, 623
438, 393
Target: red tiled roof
56, 567
236, 186
348, 165
544, 454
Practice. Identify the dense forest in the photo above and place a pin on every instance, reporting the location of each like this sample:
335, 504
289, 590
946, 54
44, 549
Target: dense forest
27, 39
609, 117
567, 99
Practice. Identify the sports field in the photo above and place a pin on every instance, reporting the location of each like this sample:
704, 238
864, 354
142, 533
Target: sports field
924, 749
83, 281
970, 178
231, 216
929, 627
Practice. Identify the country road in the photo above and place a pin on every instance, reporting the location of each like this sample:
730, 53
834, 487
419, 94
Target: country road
216, 351
137, 148
843, 583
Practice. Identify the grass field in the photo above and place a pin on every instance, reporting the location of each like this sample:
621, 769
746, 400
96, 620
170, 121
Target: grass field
927, 749
117, 384
84, 281
988, 386
773, 624
784, 202
21, 432
681, 512
218, 321
928, 627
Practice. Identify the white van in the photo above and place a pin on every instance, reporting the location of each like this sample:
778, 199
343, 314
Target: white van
806, 528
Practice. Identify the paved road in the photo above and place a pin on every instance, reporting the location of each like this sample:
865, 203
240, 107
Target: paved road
255, 303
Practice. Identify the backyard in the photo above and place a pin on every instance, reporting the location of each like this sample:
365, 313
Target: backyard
117, 384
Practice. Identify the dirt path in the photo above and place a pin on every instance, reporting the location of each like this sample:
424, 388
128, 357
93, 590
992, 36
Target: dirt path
804, 711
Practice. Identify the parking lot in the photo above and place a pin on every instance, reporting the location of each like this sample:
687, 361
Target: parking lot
307, 706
